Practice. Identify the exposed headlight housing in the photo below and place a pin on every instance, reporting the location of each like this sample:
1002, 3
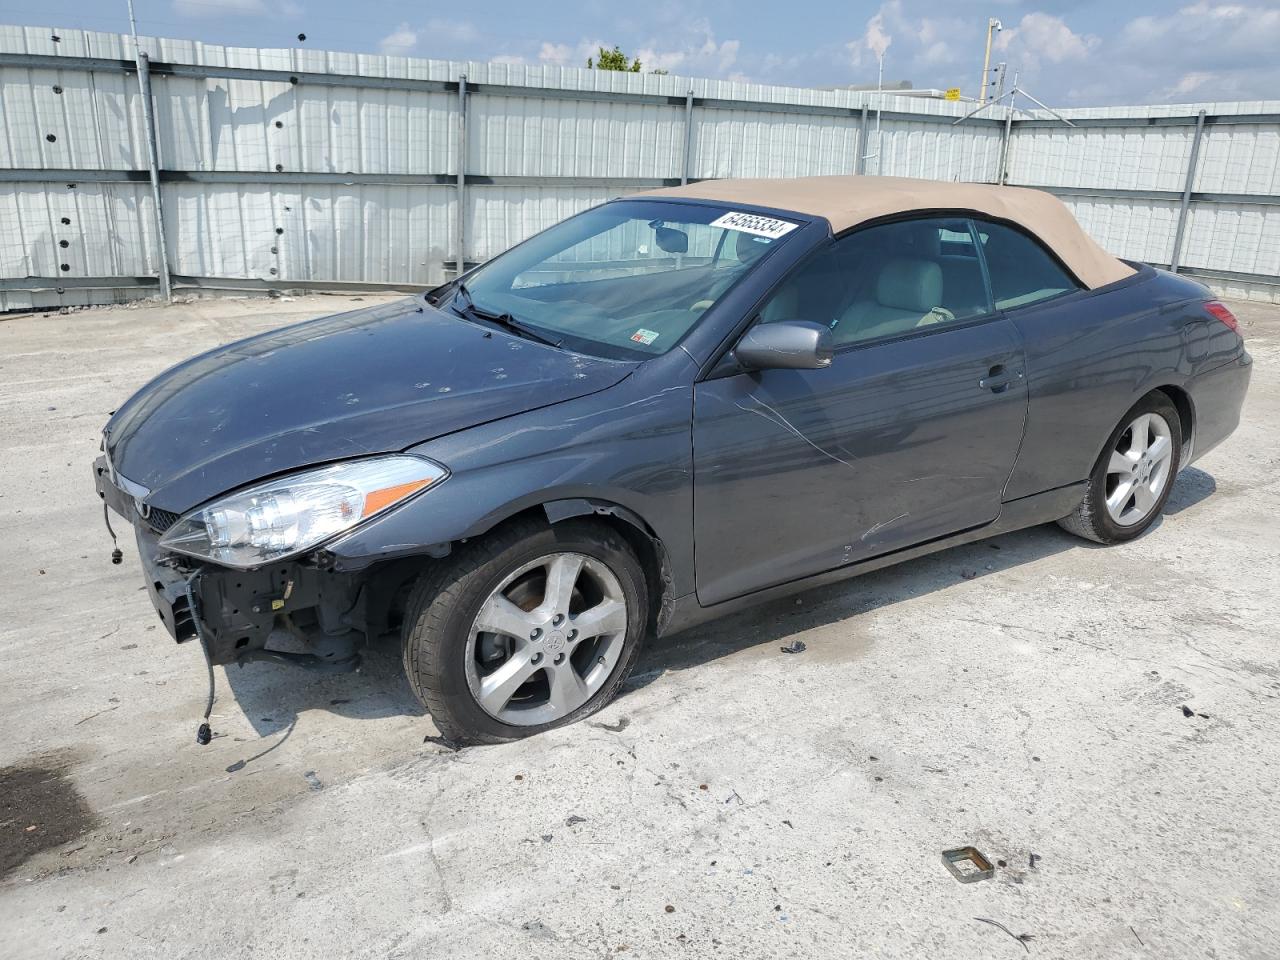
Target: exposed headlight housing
294, 514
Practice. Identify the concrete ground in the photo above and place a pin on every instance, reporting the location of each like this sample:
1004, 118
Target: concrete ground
1024, 695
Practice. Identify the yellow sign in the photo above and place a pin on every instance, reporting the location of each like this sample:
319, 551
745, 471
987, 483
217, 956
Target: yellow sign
953, 93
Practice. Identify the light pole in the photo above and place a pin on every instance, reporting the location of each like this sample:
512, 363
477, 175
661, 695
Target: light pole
994, 26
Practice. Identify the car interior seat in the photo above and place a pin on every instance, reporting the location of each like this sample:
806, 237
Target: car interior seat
907, 294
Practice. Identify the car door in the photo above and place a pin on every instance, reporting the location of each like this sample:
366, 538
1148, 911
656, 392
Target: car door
908, 436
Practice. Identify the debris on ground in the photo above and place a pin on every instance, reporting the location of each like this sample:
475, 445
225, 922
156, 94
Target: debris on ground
1034, 859
1022, 938
795, 646
1187, 711
453, 746
574, 819
968, 865
618, 727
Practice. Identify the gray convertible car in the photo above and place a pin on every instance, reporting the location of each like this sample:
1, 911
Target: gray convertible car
658, 411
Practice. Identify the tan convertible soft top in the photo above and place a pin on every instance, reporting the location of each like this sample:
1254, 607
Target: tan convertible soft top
848, 201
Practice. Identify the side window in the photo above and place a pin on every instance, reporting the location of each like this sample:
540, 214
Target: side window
1021, 271
887, 280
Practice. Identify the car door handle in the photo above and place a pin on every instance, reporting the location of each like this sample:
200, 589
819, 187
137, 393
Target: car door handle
997, 379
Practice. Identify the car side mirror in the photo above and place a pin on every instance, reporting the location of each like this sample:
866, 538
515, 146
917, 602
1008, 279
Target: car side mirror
786, 345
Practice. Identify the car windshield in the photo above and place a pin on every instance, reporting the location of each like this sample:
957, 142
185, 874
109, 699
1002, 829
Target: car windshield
625, 280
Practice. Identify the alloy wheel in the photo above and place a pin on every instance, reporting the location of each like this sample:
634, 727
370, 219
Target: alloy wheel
1139, 469
546, 639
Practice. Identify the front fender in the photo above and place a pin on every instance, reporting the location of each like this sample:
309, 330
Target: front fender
629, 447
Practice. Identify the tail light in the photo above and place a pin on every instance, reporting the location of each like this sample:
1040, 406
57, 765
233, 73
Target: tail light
1219, 311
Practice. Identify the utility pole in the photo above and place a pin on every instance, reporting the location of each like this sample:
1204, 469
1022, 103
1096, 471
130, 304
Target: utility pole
994, 26
999, 70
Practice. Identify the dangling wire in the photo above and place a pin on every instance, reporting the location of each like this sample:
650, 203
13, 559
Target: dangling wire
204, 734
116, 555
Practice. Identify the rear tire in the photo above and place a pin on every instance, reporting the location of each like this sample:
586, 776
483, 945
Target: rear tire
1131, 481
526, 629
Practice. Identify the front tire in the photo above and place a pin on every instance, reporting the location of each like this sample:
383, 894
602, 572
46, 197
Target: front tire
1132, 479
529, 628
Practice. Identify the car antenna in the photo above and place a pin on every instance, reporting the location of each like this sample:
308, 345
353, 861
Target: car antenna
204, 734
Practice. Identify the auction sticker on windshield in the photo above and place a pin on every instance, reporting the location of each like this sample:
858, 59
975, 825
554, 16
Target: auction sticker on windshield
755, 224
644, 336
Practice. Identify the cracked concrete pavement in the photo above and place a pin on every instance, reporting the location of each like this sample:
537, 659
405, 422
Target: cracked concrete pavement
1024, 695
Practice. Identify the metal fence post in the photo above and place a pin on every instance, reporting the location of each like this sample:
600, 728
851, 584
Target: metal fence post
860, 165
460, 229
153, 162
688, 138
1176, 255
1004, 141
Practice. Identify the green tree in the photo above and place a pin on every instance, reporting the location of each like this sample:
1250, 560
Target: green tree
613, 59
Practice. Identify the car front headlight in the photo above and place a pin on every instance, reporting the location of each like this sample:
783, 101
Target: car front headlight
298, 512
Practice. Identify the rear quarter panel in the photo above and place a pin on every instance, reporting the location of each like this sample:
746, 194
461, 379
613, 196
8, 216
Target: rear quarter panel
1091, 356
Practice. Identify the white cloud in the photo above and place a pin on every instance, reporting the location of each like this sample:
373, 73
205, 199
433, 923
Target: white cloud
220, 8
209, 9
936, 54
696, 51
1206, 30
1042, 37
439, 37
450, 31
399, 42
689, 47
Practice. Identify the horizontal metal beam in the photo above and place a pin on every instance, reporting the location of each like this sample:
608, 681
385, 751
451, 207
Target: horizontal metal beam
53, 175
50, 175
1209, 273
61, 284
1211, 119
201, 71
1173, 196
560, 93
213, 71
205, 71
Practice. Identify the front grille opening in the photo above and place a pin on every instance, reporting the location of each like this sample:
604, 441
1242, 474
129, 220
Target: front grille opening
161, 520
184, 624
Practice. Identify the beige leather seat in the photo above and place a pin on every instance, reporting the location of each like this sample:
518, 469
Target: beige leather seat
908, 294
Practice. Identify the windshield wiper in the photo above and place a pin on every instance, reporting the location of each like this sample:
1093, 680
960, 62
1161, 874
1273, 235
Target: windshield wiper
504, 320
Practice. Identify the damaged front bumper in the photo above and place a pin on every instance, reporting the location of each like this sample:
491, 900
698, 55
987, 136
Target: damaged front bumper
289, 611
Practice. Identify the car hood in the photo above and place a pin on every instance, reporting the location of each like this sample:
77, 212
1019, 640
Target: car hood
372, 381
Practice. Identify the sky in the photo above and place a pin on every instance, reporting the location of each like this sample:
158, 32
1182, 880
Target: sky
1069, 53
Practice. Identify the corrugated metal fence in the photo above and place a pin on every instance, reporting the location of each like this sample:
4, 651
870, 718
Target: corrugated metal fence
304, 168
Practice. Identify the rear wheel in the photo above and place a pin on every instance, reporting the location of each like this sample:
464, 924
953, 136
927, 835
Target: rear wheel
530, 628
1133, 477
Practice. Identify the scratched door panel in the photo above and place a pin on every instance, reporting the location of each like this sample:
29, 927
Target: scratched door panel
801, 471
